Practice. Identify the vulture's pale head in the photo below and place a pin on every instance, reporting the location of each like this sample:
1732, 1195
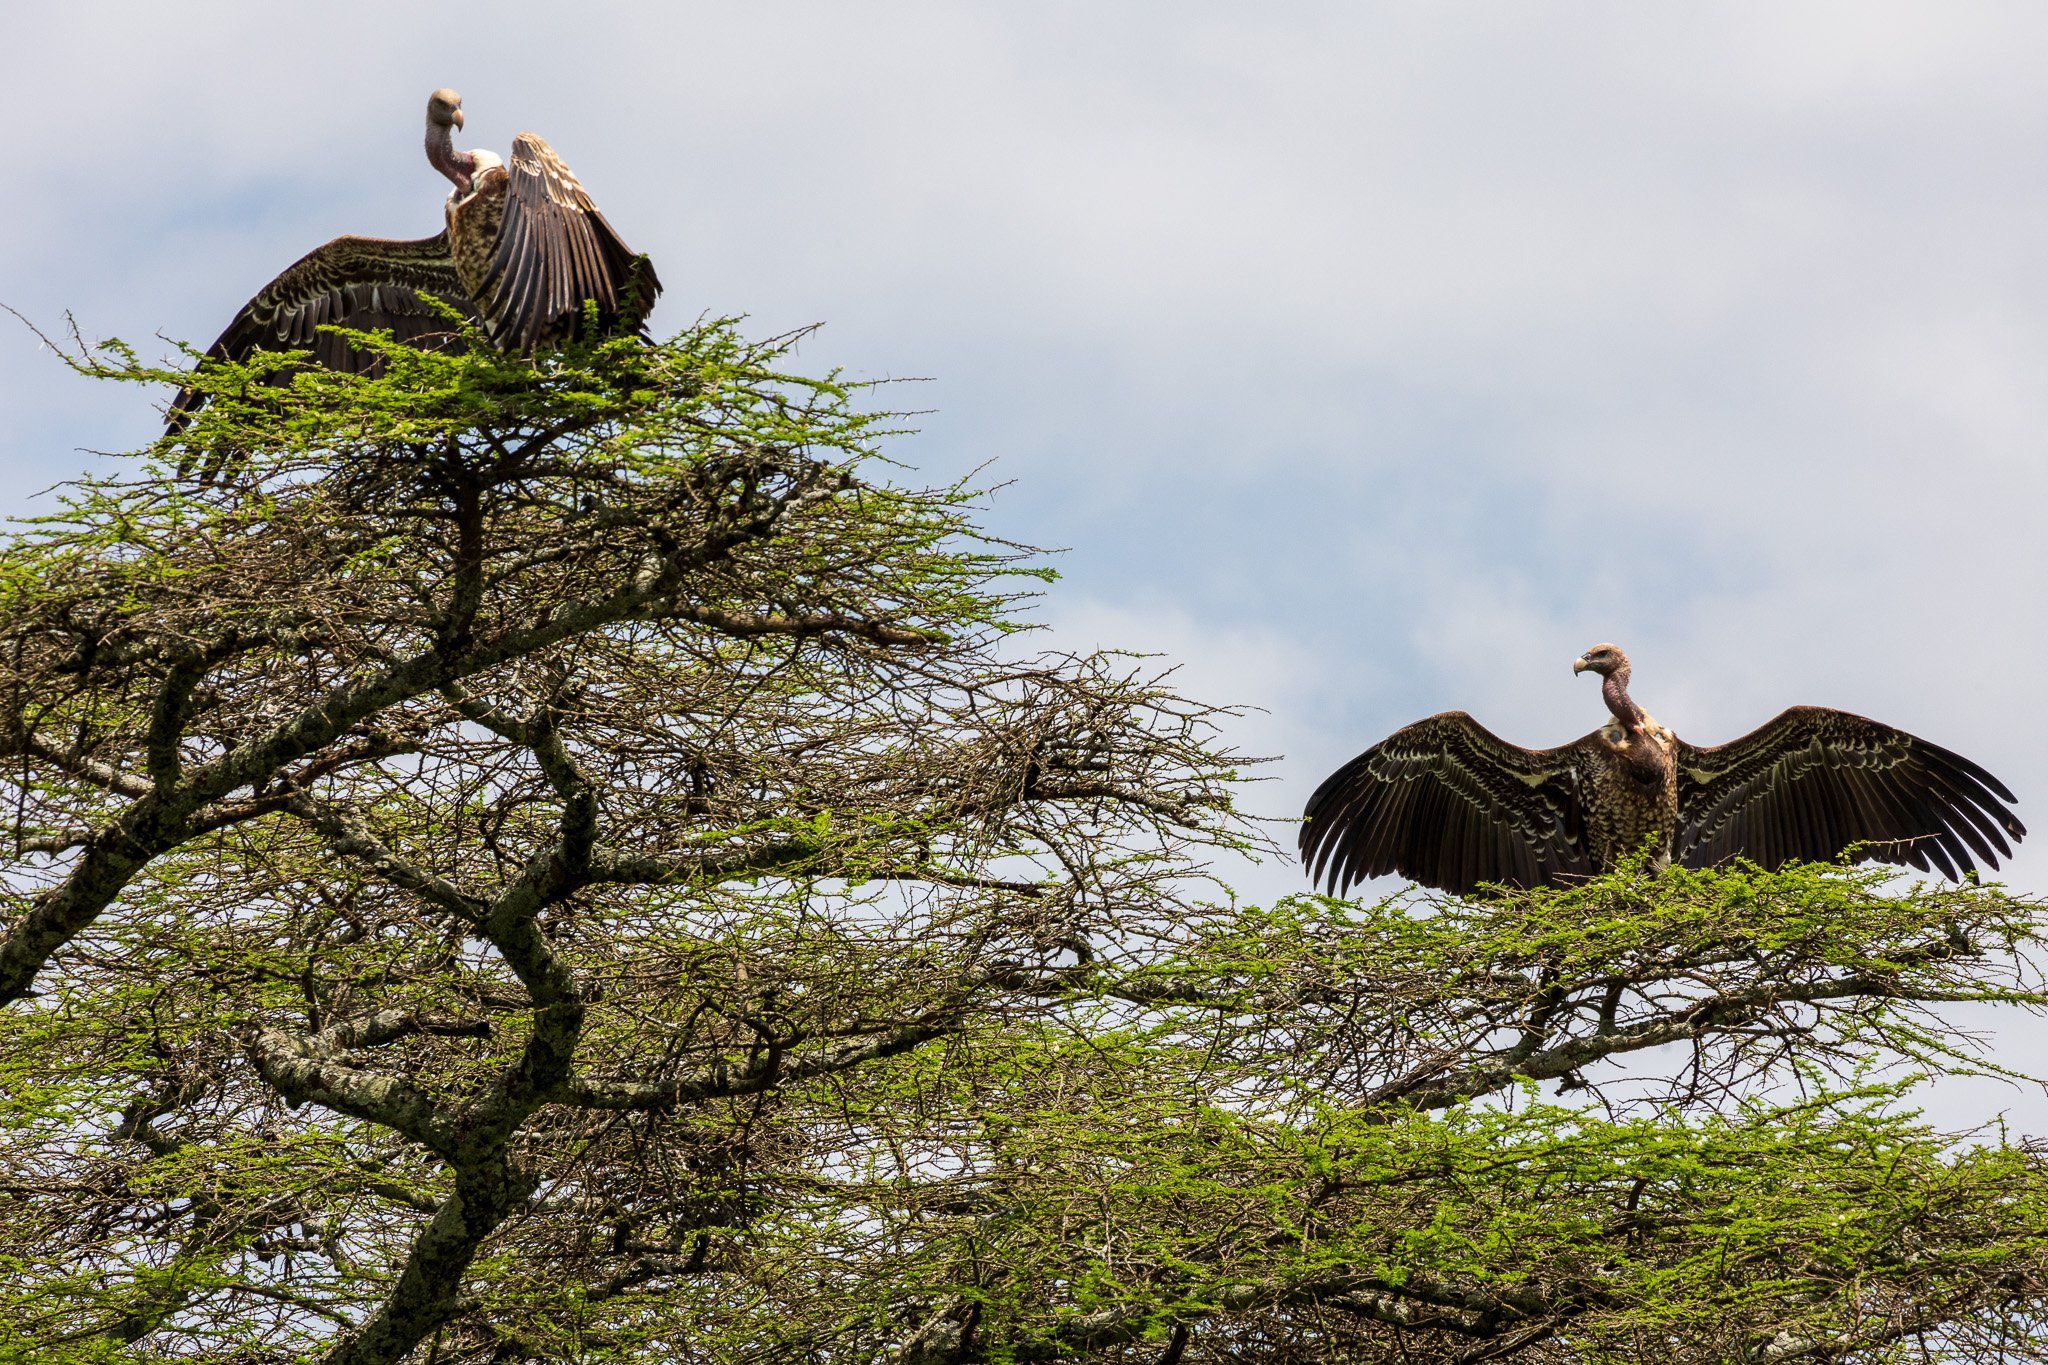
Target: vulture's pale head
444, 108
1602, 659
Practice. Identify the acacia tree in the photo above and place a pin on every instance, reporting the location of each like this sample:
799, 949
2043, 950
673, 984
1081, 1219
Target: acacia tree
566, 861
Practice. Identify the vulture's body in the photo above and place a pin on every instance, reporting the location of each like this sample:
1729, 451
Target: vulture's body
523, 250
1448, 804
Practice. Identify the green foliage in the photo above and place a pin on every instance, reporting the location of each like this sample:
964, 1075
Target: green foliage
558, 860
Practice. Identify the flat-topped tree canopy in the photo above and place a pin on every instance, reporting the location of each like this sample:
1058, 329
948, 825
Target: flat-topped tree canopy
539, 688
555, 857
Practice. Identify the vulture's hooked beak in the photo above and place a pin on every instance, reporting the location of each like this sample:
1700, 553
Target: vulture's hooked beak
1579, 665
457, 116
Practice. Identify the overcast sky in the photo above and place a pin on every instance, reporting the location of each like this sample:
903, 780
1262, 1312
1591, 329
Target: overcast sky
1368, 360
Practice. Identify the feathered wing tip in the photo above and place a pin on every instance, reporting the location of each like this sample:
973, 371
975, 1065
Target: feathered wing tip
1814, 784
1447, 804
637, 296
364, 283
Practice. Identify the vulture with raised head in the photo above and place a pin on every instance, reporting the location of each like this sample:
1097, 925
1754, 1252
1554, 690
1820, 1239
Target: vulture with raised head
523, 249
1445, 803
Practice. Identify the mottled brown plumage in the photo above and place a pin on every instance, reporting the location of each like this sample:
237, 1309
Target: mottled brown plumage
522, 250
1445, 803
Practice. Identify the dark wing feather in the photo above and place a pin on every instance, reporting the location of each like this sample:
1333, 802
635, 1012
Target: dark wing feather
553, 251
1446, 803
1810, 783
367, 283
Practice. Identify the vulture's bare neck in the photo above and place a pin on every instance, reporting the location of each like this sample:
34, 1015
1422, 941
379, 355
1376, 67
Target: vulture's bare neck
457, 166
1614, 691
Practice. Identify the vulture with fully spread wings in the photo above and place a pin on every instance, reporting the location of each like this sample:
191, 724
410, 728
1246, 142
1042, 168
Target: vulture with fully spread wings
524, 248
1445, 803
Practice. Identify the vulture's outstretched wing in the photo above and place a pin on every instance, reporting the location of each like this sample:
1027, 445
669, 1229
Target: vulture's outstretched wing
1446, 803
367, 283
553, 251
1814, 781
